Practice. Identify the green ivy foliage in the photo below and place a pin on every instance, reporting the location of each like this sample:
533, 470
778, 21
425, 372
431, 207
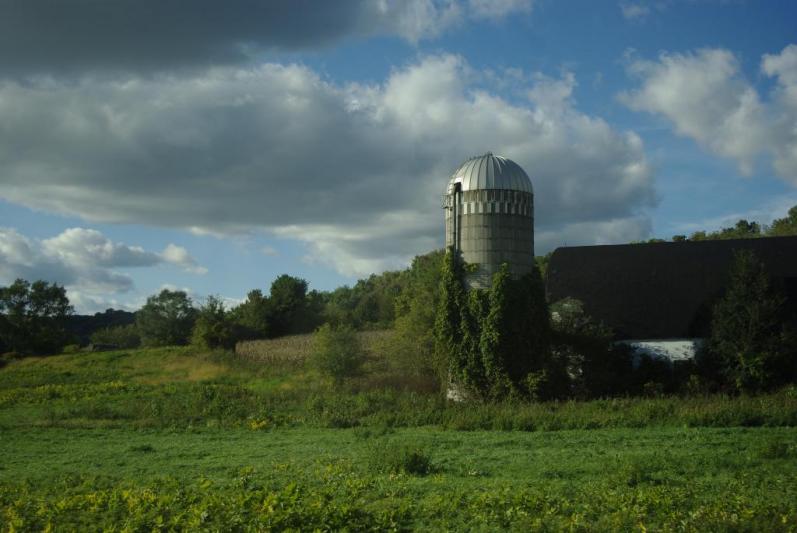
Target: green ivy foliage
497, 341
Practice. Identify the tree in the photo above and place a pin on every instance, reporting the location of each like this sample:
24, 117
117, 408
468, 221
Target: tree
411, 346
253, 316
786, 225
337, 352
33, 317
289, 306
166, 319
213, 327
752, 345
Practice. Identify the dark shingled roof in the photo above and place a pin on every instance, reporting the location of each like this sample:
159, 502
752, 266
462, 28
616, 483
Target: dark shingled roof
661, 290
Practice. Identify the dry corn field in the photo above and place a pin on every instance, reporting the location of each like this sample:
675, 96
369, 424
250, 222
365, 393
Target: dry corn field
296, 348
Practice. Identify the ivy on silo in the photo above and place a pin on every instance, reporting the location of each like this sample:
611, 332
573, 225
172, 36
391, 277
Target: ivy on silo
496, 341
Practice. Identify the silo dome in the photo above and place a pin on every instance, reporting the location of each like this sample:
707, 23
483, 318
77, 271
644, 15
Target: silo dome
490, 171
489, 203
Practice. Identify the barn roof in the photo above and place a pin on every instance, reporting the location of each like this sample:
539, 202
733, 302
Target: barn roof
660, 290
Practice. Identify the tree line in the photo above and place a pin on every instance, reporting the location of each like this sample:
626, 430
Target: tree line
479, 339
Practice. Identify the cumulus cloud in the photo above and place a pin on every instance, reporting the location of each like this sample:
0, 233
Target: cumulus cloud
179, 256
43, 36
83, 260
706, 98
355, 171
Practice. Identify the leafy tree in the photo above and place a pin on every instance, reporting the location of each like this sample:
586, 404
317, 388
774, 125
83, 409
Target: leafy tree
166, 319
753, 345
33, 317
213, 327
126, 336
289, 309
337, 352
253, 316
784, 226
411, 346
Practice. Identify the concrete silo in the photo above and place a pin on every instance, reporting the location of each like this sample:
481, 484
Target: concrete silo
489, 211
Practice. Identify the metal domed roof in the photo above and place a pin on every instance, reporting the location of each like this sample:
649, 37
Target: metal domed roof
490, 171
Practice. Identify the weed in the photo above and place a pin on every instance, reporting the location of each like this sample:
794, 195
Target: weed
389, 457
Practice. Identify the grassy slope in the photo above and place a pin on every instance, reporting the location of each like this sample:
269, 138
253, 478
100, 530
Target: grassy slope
151, 437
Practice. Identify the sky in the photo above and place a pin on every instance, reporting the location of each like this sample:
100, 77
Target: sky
212, 146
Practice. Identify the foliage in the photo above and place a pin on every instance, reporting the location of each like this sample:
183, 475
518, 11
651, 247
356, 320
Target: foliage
784, 226
126, 336
253, 316
288, 310
33, 317
213, 327
448, 334
753, 342
289, 307
166, 319
597, 368
84, 326
495, 340
411, 345
337, 353
399, 458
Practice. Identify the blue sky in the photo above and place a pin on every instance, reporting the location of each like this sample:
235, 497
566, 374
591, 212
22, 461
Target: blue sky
217, 151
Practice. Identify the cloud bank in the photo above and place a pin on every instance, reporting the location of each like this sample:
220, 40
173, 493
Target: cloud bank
355, 171
47, 37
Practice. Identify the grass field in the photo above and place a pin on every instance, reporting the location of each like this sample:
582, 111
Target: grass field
168, 438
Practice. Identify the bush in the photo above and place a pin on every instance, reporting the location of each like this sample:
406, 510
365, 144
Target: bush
337, 353
122, 336
400, 458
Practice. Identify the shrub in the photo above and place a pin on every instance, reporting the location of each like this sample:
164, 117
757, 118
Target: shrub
122, 336
400, 458
337, 353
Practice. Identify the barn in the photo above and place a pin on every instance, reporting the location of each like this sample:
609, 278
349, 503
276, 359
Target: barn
657, 297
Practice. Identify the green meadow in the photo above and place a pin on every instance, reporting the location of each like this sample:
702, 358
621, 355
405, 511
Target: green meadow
171, 438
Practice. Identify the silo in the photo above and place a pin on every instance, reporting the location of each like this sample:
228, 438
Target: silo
489, 211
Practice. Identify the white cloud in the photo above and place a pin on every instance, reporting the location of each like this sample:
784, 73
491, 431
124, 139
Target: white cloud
269, 251
634, 10
355, 171
84, 261
707, 99
179, 256
497, 9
